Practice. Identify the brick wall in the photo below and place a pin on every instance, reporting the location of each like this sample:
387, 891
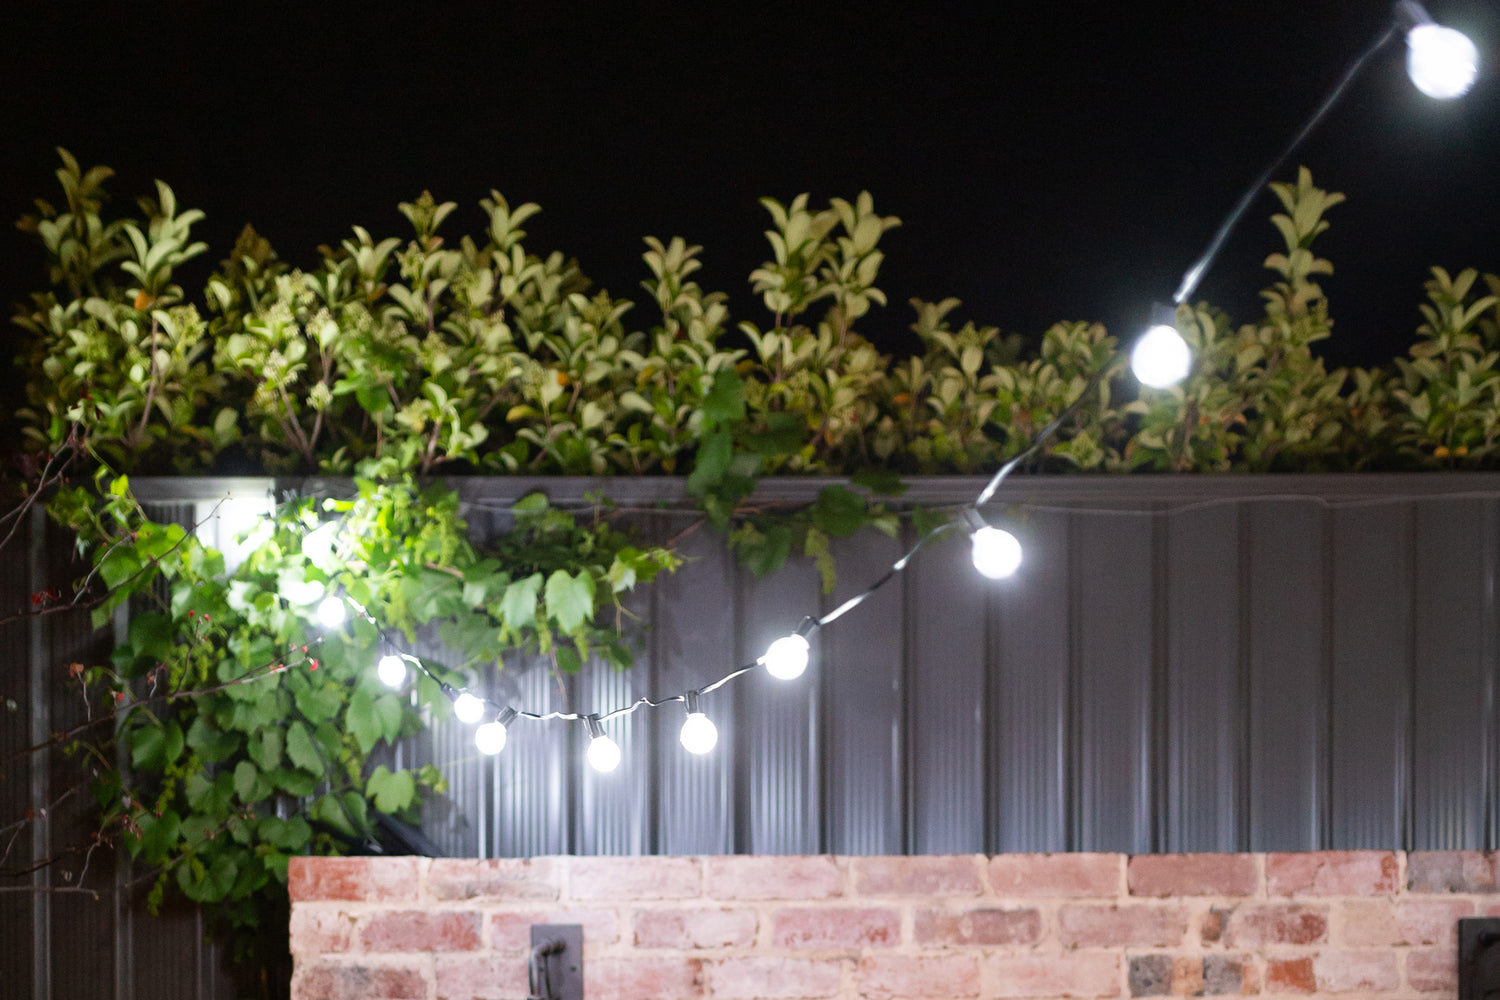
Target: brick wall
1363, 923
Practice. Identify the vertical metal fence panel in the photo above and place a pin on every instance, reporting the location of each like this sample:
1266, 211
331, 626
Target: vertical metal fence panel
777, 783
532, 776
946, 644
17, 943
1201, 729
1027, 725
693, 642
613, 808
1370, 698
862, 693
453, 822
1453, 676
1113, 639
1288, 723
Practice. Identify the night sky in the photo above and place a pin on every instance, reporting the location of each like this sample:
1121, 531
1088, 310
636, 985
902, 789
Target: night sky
1049, 161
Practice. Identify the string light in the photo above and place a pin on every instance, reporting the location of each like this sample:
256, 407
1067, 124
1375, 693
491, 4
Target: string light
786, 658
996, 552
603, 752
699, 734
391, 670
1161, 358
332, 612
490, 737
1443, 63
468, 707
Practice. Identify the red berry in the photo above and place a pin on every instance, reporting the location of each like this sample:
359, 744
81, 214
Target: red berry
314, 665
191, 613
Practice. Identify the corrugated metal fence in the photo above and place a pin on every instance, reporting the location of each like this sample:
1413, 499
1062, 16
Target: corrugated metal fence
1182, 664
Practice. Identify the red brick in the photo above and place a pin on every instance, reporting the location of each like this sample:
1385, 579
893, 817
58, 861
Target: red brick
1211, 927
421, 930
1356, 971
1332, 873
636, 978
475, 977
885, 977
499, 879
634, 878
361, 981
1079, 974
371, 879
1193, 875
1255, 924
1381, 923
1187, 977
918, 876
1432, 971
510, 931
835, 927
774, 979
1290, 975
1450, 871
320, 930
1056, 874
695, 928
815, 877
1146, 925
987, 926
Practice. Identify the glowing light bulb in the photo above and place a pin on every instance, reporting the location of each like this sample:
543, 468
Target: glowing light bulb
699, 734
391, 670
331, 612
468, 708
490, 738
1161, 358
786, 658
996, 554
1442, 62
604, 754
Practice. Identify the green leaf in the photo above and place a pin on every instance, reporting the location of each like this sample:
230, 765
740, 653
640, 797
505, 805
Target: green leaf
725, 401
153, 747
361, 720
838, 511
299, 747
392, 792
247, 783
570, 599
518, 607
712, 463
388, 716
882, 482
265, 748
150, 636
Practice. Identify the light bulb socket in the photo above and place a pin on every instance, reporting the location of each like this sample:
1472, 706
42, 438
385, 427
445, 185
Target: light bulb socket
506, 716
974, 520
808, 627
1410, 14
690, 702
1162, 315
596, 728
449, 691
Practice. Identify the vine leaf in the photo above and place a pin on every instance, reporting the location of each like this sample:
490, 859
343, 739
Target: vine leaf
393, 792
362, 722
518, 607
299, 747
570, 599
154, 747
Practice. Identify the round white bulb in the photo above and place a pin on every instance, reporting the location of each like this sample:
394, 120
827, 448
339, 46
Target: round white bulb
1442, 62
468, 708
997, 554
1161, 358
391, 670
490, 738
699, 734
786, 658
331, 612
604, 754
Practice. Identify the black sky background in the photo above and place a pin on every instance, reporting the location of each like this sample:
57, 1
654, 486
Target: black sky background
1049, 161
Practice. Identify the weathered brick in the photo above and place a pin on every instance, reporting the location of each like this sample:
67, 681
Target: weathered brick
1146, 925
814, 877
1211, 925
495, 879
1068, 875
480, 977
774, 978
1432, 971
697, 928
1381, 923
1150, 975
1450, 871
836, 927
1187, 977
1290, 975
421, 930
510, 930
1224, 975
1078, 974
988, 926
635, 978
1253, 924
381, 880
883, 977
919, 876
1332, 873
318, 929
1192, 875
358, 981
634, 878
1356, 971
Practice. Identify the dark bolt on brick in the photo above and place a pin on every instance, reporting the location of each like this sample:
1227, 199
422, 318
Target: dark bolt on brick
1150, 975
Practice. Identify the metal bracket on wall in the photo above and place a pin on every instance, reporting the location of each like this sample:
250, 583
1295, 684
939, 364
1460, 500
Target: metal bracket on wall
1479, 958
556, 969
